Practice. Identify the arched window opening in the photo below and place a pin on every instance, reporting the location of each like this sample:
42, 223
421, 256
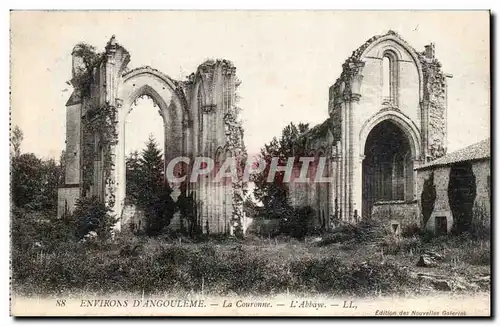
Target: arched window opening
386, 77
143, 123
390, 75
387, 166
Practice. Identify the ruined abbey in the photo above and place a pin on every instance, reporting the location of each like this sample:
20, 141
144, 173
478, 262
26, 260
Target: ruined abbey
200, 116
387, 117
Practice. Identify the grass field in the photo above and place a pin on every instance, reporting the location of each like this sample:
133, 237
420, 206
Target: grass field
326, 264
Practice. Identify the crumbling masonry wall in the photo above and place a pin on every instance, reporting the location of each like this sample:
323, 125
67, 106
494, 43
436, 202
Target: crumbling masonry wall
201, 118
357, 104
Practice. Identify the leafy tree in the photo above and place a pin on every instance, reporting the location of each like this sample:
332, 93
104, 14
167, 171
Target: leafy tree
35, 182
26, 180
16, 140
52, 178
250, 208
274, 194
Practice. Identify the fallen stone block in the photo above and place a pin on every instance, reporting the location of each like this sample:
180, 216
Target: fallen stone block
442, 285
426, 261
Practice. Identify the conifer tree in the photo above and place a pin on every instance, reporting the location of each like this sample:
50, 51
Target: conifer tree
148, 189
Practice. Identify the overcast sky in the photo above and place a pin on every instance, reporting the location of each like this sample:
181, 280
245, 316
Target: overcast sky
285, 60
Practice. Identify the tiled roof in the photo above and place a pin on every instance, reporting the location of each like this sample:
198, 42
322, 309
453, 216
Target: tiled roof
476, 151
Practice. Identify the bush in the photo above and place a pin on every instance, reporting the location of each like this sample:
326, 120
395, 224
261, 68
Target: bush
367, 230
477, 253
91, 214
394, 245
411, 230
480, 224
295, 221
30, 229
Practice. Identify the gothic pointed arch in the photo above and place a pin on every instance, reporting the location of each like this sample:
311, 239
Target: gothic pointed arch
147, 74
407, 126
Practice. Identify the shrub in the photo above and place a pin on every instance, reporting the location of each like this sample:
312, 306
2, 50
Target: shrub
477, 253
29, 229
394, 245
367, 230
91, 214
295, 221
480, 224
411, 230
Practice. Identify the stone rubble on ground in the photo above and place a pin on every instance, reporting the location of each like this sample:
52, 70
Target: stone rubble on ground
426, 261
452, 283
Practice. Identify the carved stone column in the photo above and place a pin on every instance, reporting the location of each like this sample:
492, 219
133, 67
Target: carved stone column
358, 181
332, 186
117, 189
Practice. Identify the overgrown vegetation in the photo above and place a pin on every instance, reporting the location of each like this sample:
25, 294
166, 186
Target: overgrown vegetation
153, 266
92, 215
30, 230
34, 181
233, 266
363, 259
84, 72
275, 195
367, 230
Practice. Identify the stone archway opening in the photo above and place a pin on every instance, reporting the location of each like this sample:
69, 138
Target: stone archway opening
142, 121
150, 106
387, 166
143, 124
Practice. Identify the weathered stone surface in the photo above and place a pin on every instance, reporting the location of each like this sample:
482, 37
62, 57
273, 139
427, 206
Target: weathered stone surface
441, 206
202, 119
357, 104
482, 281
442, 285
448, 283
434, 255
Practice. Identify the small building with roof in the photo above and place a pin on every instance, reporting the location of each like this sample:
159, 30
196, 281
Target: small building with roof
454, 191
